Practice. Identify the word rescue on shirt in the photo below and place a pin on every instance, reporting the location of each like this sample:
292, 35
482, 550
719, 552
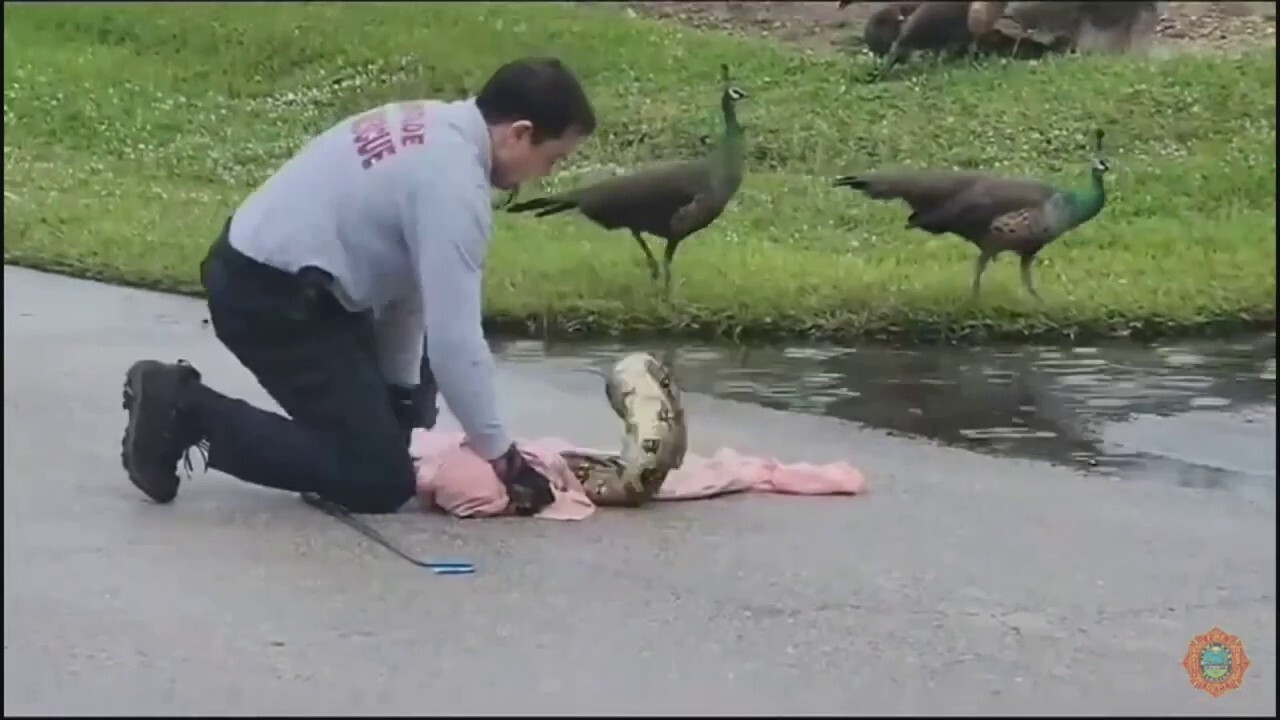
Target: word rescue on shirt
374, 140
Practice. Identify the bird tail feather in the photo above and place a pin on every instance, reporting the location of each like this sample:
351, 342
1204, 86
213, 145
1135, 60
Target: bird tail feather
856, 182
920, 189
544, 205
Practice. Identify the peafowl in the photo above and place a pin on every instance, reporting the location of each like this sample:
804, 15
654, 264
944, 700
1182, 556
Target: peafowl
983, 16
1106, 26
995, 32
995, 214
670, 200
939, 26
884, 26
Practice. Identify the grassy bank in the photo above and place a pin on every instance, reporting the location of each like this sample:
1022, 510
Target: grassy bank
131, 132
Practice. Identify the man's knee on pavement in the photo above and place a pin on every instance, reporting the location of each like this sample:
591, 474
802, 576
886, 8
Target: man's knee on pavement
375, 480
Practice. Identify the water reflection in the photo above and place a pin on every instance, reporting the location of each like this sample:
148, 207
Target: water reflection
1053, 403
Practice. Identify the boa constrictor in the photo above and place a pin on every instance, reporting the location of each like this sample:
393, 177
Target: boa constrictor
643, 393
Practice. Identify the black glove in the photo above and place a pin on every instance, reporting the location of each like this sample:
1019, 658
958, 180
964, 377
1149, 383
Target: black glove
528, 490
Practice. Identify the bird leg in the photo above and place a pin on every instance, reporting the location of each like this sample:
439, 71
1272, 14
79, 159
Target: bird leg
983, 258
667, 255
648, 255
1026, 276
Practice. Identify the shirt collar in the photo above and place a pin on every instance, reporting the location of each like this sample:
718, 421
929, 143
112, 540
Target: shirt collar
476, 130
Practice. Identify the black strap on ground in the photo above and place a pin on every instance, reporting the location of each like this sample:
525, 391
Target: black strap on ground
335, 510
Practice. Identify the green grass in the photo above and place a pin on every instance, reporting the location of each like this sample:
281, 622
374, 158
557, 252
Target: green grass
131, 131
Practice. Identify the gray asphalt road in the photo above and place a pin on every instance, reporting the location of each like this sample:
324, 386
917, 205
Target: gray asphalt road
959, 584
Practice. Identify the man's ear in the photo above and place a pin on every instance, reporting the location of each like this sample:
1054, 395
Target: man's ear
522, 130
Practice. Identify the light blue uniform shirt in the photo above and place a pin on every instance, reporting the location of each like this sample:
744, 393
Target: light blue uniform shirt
395, 204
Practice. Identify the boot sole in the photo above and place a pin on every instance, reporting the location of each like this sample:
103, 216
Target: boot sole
132, 397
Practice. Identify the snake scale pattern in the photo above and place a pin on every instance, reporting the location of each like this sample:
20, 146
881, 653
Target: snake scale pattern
643, 393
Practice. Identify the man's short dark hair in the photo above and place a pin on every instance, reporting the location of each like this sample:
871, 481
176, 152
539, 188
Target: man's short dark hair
541, 90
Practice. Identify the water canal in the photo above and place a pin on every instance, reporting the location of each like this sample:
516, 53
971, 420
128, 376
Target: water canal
1197, 413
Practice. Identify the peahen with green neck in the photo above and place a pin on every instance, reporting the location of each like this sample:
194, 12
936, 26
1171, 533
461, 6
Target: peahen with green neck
996, 214
670, 200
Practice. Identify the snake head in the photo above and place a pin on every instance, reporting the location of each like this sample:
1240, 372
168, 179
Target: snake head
643, 392
666, 371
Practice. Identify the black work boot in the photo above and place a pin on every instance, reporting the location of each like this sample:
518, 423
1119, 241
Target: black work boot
159, 433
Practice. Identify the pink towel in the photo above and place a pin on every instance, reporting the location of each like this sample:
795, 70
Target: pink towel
454, 479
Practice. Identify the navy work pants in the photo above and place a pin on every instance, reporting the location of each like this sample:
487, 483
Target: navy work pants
342, 438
